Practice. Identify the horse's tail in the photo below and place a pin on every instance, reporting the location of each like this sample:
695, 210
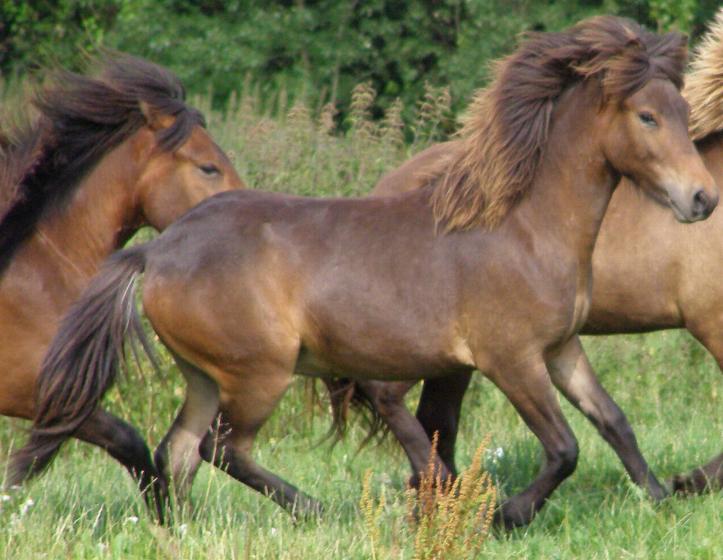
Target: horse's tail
83, 360
346, 394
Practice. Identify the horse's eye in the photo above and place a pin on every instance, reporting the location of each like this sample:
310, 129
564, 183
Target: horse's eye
647, 118
210, 169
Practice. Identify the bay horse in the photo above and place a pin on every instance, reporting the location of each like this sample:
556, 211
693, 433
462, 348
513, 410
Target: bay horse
489, 267
658, 285
106, 155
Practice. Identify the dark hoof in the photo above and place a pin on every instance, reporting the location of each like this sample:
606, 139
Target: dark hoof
658, 492
690, 484
510, 514
158, 499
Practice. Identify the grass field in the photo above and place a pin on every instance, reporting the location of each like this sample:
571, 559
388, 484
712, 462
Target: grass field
85, 506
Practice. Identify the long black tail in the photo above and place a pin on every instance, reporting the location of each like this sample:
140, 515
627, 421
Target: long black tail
83, 360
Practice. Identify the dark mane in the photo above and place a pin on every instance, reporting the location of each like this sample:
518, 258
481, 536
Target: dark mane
504, 135
81, 118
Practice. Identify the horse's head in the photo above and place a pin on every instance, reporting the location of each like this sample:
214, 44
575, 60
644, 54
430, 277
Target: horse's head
644, 121
171, 181
648, 141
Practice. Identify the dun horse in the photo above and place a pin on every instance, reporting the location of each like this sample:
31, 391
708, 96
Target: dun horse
669, 281
487, 268
106, 156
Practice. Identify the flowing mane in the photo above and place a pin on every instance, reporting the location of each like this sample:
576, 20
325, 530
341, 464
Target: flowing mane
81, 118
505, 132
704, 83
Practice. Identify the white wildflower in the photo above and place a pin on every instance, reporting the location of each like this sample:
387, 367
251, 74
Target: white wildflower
132, 519
26, 506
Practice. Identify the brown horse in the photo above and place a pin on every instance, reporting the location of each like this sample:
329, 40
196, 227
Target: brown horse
489, 268
628, 294
106, 155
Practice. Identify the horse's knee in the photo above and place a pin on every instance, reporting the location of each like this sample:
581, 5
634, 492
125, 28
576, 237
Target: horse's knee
387, 401
565, 458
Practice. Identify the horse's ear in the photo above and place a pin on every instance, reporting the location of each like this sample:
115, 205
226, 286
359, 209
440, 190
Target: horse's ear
155, 119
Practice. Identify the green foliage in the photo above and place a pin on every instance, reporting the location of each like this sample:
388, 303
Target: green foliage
673, 15
313, 50
33, 34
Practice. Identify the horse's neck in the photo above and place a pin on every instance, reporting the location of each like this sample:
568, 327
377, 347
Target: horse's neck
98, 219
574, 183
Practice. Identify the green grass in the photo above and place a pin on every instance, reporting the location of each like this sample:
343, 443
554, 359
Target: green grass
85, 506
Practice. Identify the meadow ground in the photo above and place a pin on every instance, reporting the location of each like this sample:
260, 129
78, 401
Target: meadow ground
85, 506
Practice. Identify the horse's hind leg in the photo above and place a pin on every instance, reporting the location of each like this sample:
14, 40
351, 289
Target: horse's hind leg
126, 446
572, 374
700, 479
529, 389
178, 452
387, 398
247, 404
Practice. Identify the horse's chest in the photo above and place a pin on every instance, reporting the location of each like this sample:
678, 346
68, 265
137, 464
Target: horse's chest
581, 302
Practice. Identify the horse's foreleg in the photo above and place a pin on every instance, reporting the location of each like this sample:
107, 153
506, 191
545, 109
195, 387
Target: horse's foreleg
126, 446
529, 389
574, 377
439, 409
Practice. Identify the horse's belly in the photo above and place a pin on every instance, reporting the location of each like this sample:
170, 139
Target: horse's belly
388, 362
633, 310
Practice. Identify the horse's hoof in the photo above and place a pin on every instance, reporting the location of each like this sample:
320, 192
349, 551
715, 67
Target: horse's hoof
160, 502
689, 484
511, 515
658, 492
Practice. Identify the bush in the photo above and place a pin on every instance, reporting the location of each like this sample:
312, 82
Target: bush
315, 51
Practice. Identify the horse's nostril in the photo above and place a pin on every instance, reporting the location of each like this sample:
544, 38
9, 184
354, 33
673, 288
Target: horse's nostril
701, 203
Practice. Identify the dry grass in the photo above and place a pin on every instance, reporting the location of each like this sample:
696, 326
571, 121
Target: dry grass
315, 151
453, 518
447, 520
372, 510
